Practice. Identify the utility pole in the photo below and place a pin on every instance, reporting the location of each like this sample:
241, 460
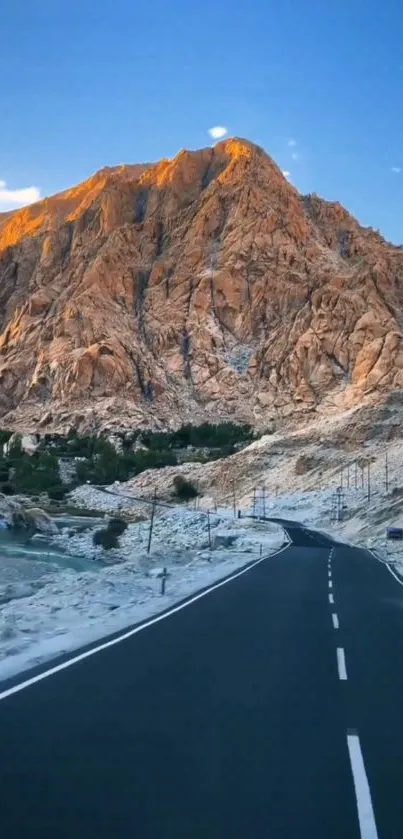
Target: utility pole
386, 473
150, 533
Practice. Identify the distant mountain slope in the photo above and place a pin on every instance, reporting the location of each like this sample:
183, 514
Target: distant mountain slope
199, 287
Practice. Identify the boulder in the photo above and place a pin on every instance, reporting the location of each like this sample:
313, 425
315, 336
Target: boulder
15, 516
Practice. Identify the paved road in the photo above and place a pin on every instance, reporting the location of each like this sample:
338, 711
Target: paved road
226, 720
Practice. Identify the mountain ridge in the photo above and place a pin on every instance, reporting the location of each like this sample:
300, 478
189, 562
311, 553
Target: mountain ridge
189, 288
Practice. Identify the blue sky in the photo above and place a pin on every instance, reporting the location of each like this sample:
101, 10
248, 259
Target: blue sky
87, 84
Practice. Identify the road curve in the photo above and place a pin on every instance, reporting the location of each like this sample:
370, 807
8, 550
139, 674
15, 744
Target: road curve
269, 707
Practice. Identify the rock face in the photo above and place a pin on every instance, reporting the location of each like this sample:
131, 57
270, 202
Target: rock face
201, 287
17, 517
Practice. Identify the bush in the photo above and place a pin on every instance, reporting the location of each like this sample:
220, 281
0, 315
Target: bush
108, 537
7, 489
117, 526
36, 473
105, 538
57, 493
184, 489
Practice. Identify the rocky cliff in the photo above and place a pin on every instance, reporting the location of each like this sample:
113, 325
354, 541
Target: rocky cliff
199, 287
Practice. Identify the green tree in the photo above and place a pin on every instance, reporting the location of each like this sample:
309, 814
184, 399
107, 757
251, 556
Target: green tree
35, 473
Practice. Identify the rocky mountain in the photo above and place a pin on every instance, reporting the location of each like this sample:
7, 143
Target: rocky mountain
203, 287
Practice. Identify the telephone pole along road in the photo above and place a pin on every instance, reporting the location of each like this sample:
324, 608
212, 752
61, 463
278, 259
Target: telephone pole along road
271, 707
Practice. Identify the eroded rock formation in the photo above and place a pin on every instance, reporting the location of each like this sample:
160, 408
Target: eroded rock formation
196, 288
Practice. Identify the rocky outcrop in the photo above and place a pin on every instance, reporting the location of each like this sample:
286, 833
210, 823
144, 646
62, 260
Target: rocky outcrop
17, 517
199, 287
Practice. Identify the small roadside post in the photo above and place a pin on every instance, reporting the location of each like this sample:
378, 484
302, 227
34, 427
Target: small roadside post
163, 576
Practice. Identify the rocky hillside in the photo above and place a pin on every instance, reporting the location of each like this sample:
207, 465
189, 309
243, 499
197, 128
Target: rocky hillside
199, 287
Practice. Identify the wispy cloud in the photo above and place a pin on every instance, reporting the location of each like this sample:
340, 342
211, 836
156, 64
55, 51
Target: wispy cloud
11, 199
295, 155
292, 143
286, 173
396, 170
217, 132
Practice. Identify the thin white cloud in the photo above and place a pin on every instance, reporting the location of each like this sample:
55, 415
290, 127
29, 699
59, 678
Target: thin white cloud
396, 169
292, 143
286, 173
11, 199
295, 155
217, 132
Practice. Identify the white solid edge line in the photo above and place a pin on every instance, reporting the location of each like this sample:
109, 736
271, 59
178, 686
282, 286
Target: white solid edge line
335, 620
341, 664
156, 619
331, 600
366, 818
386, 564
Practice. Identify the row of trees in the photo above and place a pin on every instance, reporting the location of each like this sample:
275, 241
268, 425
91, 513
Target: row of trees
100, 463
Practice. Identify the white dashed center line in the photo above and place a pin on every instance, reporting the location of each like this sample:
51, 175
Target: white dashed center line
331, 598
330, 584
366, 816
335, 620
341, 664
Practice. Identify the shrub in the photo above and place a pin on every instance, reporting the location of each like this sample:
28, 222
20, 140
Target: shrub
184, 489
57, 493
105, 538
36, 473
117, 526
7, 489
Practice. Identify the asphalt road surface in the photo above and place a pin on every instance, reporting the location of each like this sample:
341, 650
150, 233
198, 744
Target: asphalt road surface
271, 707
